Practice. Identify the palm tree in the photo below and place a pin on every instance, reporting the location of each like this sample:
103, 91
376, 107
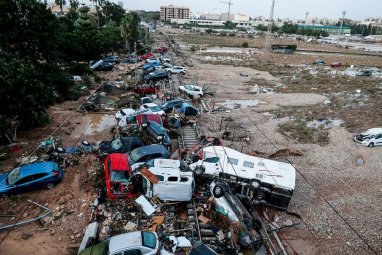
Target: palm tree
129, 29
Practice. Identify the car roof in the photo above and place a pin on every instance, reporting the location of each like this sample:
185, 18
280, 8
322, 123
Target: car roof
119, 161
123, 241
373, 131
36, 168
150, 104
153, 148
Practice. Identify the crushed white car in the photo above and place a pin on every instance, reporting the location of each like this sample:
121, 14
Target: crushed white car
370, 138
191, 90
154, 108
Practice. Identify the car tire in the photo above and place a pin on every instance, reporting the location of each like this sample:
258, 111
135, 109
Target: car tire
50, 185
218, 190
199, 171
371, 145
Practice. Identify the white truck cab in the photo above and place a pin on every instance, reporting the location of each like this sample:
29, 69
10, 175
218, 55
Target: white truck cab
169, 183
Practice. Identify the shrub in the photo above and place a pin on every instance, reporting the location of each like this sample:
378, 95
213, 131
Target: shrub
244, 45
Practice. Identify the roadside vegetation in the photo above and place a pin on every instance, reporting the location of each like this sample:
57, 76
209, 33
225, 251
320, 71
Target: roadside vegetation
39, 51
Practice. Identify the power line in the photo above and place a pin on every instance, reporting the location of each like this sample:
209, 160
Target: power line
62, 123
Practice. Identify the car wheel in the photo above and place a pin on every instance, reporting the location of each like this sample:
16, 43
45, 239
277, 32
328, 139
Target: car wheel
50, 186
371, 145
218, 190
199, 171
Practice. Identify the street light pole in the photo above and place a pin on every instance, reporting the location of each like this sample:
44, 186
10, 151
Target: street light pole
306, 18
342, 22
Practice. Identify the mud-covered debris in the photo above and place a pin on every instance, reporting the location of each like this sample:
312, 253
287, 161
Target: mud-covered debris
286, 153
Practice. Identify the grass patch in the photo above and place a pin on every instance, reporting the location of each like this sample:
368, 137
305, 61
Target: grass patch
298, 131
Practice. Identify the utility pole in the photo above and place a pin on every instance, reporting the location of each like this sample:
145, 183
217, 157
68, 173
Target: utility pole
229, 8
342, 22
270, 24
306, 18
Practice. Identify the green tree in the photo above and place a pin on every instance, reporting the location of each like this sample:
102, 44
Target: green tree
229, 25
130, 30
111, 12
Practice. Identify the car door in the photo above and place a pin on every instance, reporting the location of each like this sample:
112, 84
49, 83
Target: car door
23, 184
378, 139
212, 166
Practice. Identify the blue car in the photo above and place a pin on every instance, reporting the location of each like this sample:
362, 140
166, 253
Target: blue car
30, 177
157, 134
151, 64
144, 153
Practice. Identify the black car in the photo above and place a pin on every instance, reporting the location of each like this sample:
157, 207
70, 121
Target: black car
175, 103
145, 153
365, 73
105, 66
157, 134
121, 145
155, 76
111, 59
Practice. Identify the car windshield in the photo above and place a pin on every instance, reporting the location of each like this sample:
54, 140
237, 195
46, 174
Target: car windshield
135, 155
155, 108
149, 240
120, 176
14, 176
188, 87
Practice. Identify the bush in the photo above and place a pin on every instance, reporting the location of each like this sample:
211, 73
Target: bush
244, 45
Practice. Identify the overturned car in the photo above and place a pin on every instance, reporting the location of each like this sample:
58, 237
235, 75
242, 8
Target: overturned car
262, 181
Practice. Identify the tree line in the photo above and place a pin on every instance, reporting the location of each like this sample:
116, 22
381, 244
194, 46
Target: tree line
39, 51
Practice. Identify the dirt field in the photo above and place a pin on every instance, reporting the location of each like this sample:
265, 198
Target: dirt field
338, 211
337, 195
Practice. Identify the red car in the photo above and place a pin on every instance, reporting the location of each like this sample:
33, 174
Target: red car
142, 118
336, 64
160, 50
146, 89
117, 175
146, 56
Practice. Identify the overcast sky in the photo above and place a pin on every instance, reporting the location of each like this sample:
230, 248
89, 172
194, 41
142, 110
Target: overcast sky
356, 9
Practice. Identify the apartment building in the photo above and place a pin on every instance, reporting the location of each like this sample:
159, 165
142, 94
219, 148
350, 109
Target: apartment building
174, 12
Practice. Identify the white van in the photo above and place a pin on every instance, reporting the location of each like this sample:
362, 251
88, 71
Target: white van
173, 184
263, 180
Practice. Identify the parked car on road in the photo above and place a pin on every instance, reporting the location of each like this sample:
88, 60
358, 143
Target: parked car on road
154, 108
131, 243
30, 177
191, 90
157, 134
144, 153
117, 175
370, 138
176, 70
153, 60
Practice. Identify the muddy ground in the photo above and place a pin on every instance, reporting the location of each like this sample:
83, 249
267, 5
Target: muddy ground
258, 93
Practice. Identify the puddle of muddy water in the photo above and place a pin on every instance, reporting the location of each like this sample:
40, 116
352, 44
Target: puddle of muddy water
230, 104
93, 123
